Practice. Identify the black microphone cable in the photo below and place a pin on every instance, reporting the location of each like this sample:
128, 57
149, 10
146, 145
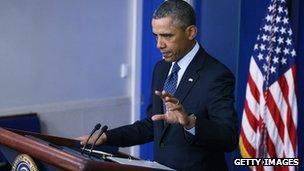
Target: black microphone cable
103, 130
97, 127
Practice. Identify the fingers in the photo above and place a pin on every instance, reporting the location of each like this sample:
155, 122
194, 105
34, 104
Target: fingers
162, 94
175, 107
159, 117
167, 97
172, 100
158, 93
82, 139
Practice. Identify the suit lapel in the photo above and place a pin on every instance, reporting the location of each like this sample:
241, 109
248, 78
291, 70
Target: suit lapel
190, 76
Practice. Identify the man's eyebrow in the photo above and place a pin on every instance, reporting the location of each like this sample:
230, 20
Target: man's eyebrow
166, 34
163, 34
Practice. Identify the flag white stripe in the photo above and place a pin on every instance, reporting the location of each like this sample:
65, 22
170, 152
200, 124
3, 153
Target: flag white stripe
277, 94
256, 75
292, 96
252, 103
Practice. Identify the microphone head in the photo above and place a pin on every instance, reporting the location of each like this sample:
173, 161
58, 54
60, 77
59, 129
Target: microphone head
104, 128
97, 126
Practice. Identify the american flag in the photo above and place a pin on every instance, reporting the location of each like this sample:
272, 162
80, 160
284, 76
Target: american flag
269, 123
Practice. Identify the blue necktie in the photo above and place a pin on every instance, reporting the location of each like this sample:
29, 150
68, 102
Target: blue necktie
171, 81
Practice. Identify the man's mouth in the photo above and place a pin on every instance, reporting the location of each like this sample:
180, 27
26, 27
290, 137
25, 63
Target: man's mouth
165, 54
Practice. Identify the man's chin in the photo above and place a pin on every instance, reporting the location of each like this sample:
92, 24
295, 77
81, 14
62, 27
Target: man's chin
168, 59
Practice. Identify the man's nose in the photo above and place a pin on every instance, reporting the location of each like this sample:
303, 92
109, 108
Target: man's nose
160, 44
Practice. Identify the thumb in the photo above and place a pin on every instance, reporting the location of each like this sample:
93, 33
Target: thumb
159, 117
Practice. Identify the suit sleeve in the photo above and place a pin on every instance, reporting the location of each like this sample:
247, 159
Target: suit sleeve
139, 132
219, 131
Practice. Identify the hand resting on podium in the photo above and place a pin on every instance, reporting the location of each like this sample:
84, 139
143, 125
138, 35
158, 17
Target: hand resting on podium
102, 139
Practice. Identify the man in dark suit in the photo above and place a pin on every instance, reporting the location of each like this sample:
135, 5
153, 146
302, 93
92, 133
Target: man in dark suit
191, 118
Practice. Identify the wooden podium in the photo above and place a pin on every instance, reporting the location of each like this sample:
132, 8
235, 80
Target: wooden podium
55, 153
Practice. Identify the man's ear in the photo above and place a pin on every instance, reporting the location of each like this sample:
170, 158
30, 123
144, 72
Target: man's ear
191, 31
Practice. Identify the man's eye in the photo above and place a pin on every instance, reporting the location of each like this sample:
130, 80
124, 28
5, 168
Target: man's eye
167, 35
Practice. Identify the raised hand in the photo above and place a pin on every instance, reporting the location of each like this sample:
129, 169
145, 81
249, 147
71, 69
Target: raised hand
175, 112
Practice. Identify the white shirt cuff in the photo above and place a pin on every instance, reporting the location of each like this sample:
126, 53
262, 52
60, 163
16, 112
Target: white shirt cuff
191, 131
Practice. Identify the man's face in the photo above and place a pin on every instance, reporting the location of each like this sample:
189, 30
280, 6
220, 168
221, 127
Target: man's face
172, 41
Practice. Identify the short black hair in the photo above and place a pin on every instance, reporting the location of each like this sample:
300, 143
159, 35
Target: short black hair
182, 13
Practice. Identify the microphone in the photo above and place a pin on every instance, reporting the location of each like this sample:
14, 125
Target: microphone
103, 130
97, 127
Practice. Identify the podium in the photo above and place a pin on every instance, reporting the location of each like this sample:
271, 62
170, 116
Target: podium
55, 153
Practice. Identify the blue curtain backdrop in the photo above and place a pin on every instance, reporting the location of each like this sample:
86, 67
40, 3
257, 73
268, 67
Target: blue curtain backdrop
229, 38
297, 7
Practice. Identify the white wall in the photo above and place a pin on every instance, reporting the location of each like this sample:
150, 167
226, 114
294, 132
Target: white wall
62, 50
62, 59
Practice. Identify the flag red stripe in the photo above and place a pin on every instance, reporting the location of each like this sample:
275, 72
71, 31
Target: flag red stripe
251, 151
254, 89
275, 113
292, 132
290, 124
294, 71
250, 117
280, 168
259, 168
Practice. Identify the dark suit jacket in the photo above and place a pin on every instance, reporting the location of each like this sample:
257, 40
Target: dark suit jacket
206, 90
